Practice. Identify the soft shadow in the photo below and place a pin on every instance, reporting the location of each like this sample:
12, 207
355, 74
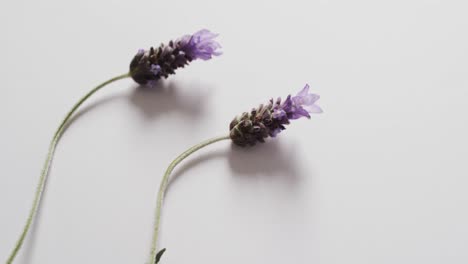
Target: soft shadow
269, 161
163, 97
166, 96
272, 160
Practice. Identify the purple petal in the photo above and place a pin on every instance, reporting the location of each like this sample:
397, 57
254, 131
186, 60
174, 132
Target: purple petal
304, 91
307, 99
298, 113
279, 113
314, 109
200, 45
155, 69
305, 102
287, 104
205, 34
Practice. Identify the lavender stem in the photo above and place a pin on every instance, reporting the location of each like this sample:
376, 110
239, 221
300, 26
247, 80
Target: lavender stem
45, 169
163, 187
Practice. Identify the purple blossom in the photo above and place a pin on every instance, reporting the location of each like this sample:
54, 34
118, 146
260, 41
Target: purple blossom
155, 69
200, 45
148, 66
298, 106
269, 120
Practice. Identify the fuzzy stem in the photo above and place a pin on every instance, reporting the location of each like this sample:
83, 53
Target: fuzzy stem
45, 169
163, 187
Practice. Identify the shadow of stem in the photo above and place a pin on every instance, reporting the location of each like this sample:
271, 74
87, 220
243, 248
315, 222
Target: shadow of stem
270, 161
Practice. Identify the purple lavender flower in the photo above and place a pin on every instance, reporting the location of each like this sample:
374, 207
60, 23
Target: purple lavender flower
151, 65
298, 106
268, 120
200, 45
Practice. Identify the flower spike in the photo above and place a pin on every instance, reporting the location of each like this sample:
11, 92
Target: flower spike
151, 65
269, 120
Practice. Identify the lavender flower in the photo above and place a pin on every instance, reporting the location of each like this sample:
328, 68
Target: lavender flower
247, 129
146, 67
153, 64
269, 120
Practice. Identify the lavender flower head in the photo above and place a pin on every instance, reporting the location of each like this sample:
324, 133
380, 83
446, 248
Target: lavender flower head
151, 65
268, 120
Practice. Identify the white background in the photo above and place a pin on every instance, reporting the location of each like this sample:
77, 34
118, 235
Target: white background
380, 177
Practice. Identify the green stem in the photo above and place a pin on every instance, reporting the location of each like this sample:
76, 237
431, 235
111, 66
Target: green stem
45, 169
163, 187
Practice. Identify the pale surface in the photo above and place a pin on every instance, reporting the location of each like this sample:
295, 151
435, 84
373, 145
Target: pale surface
380, 177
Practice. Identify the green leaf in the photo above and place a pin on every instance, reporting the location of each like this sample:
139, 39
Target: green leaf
159, 255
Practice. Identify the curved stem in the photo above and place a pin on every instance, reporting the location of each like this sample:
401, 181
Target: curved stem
163, 187
45, 169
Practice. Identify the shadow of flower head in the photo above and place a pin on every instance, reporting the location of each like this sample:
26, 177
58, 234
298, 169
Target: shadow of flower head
166, 96
271, 160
